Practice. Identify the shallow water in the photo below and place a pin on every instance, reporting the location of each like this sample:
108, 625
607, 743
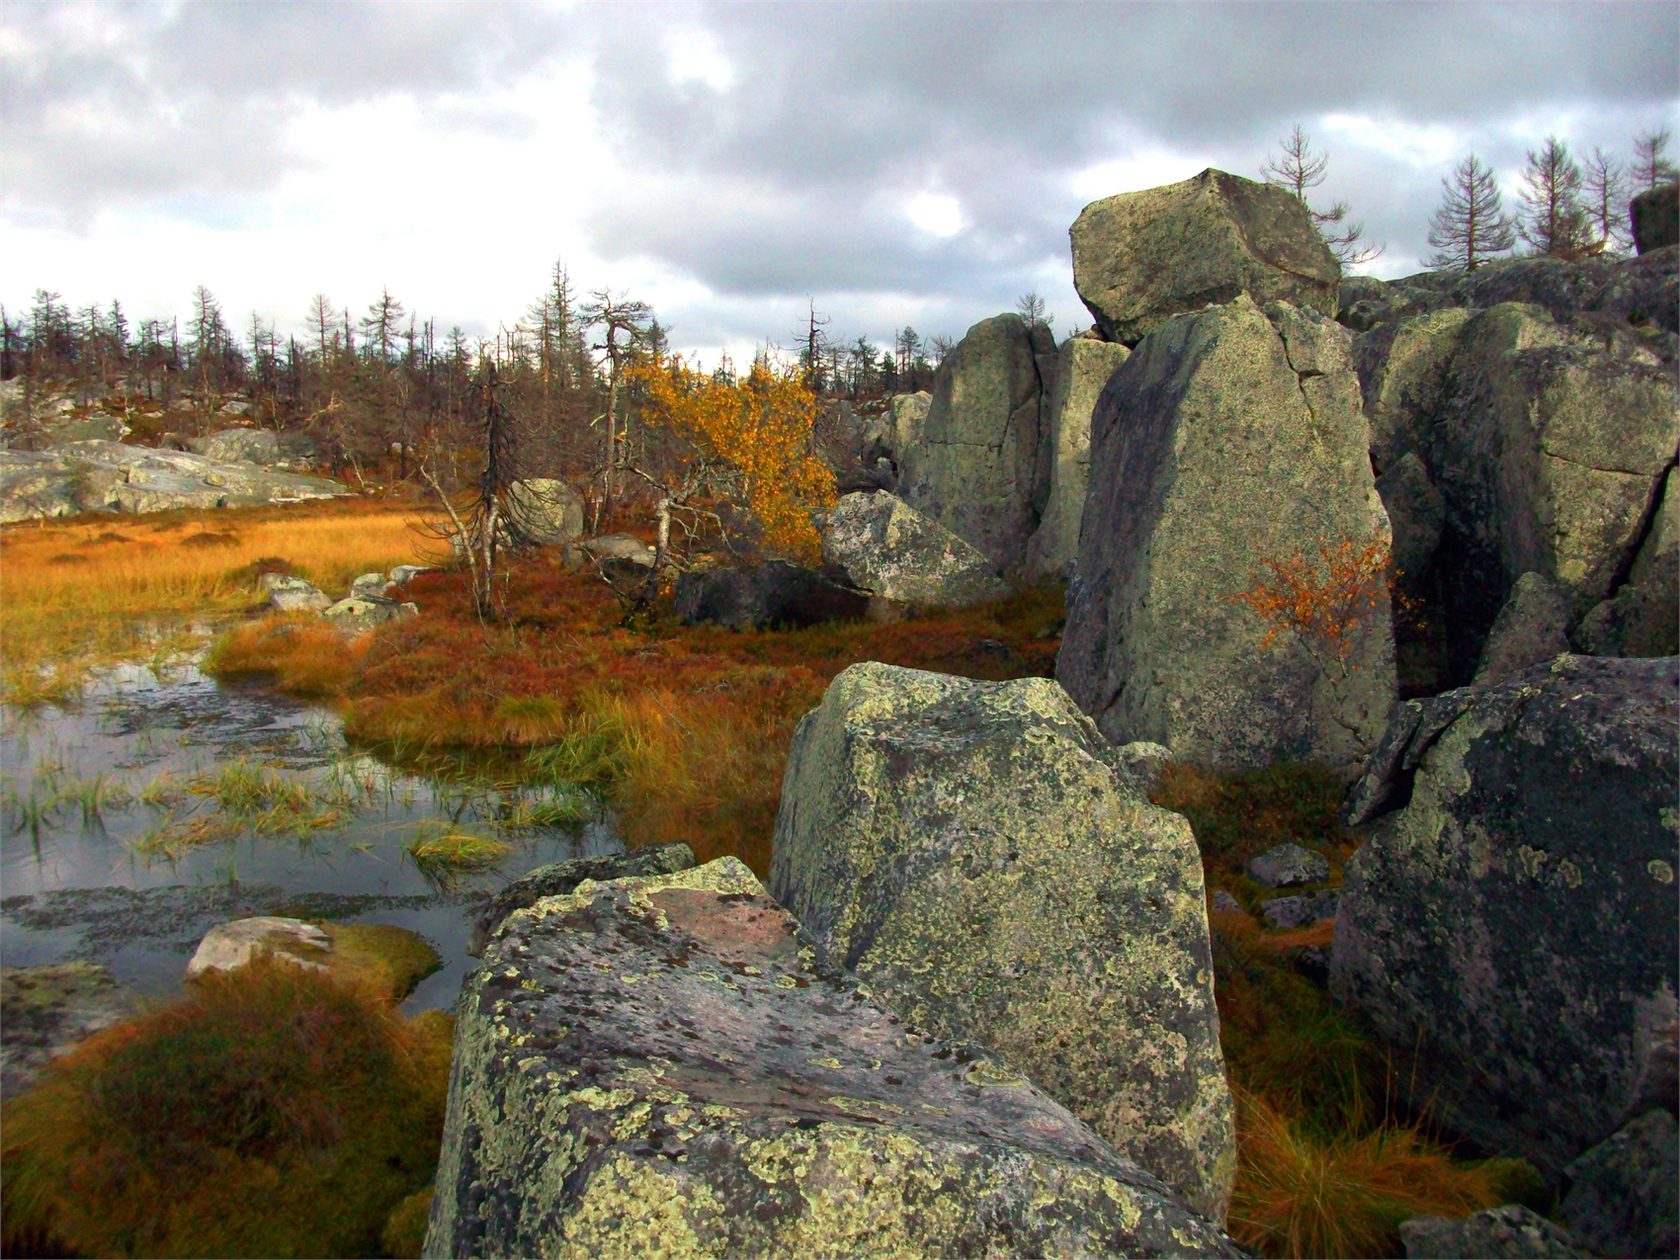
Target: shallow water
86, 790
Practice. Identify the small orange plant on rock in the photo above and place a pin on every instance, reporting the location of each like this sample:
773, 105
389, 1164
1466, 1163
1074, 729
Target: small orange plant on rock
1324, 596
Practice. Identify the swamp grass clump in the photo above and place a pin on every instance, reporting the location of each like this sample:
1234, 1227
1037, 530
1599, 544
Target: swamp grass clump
271, 1111
442, 851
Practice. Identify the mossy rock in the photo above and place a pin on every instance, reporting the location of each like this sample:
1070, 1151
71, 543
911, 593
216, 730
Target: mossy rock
390, 959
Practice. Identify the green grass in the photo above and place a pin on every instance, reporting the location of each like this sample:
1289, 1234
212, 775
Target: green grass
443, 851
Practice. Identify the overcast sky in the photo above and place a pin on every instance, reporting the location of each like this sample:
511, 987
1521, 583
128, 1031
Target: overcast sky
914, 163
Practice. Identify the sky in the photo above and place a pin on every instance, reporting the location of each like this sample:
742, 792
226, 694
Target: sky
893, 163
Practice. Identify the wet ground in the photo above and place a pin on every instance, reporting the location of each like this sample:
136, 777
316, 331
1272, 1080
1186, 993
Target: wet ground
123, 840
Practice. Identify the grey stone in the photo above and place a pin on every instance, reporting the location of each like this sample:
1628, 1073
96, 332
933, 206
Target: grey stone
369, 584
557, 878
1228, 439
1225, 903
1512, 1232
46, 1012
669, 1066
1083, 368
368, 610
1533, 627
405, 573
1288, 864
1630, 293
1142, 762
1515, 900
968, 848
1643, 617
263, 447
230, 946
1142, 258
1624, 1194
619, 553
1403, 373
1416, 513
885, 547
545, 512
975, 468
774, 593
293, 594
1300, 909
1654, 216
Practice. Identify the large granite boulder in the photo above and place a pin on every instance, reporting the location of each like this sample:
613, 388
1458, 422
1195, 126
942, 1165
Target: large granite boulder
774, 593
1416, 513
1229, 440
970, 849
1643, 617
1510, 926
1512, 1232
1624, 1194
265, 447
1083, 367
545, 512
975, 468
1549, 450
1141, 258
884, 547
1532, 628
1654, 216
668, 1067
1402, 370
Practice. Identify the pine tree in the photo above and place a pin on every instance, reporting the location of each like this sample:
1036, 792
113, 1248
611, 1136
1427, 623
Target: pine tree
1651, 168
1553, 222
1298, 168
1470, 224
1604, 198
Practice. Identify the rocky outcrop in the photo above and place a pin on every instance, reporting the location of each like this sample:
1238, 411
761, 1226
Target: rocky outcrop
1512, 1232
774, 593
1624, 1194
263, 447
1402, 374
667, 1066
1654, 216
1142, 258
1532, 628
1643, 617
1229, 439
1509, 926
1083, 367
969, 849
884, 547
112, 477
975, 468
287, 593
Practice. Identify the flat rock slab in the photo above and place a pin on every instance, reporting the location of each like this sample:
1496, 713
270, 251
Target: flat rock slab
47, 1011
887, 548
230, 946
663, 1066
557, 878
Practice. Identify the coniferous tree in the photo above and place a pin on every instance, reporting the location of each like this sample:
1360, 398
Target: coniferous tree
1553, 222
1604, 198
1298, 168
1651, 167
1471, 225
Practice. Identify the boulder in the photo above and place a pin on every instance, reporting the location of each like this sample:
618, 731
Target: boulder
1403, 372
1512, 1232
545, 512
1287, 864
1300, 909
1641, 618
363, 611
970, 850
1654, 216
557, 878
619, 556
1624, 1194
668, 1066
1532, 628
975, 468
257, 446
369, 584
906, 414
406, 573
1532, 476
1230, 439
293, 594
1415, 511
230, 946
1083, 368
1142, 258
774, 593
884, 547
46, 1012
1509, 926
1640, 293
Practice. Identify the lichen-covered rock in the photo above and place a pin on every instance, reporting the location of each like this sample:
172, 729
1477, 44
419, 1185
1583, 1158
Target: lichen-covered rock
1083, 368
1229, 439
774, 593
287, 593
1655, 218
1534, 475
1284, 865
665, 1066
969, 849
362, 611
230, 946
1416, 513
545, 511
885, 547
975, 468
1510, 925
1512, 1232
1643, 617
1624, 1194
264, 447
1532, 627
557, 878
48, 1011
1141, 258
1300, 909
1402, 372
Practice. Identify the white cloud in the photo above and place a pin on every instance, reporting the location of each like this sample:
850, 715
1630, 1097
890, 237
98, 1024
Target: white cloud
693, 56
937, 214
1422, 147
1147, 167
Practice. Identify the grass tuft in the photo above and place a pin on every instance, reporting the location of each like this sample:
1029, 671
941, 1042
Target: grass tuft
446, 851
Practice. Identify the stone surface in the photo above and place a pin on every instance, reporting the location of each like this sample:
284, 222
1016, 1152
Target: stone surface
230, 946
1300, 909
1654, 216
1512, 1232
969, 849
368, 610
404, 573
1509, 926
545, 512
557, 878
369, 584
774, 593
263, 447
619, 555
110, 476
1624, 1194
1227, 439
48, 1011
1639, 292
1532, 627
885, 547
1287, 864
1141, 258
1643, 617
975, 468
666, 1066
1403, 371
1083, 368
293, 594
1416, 513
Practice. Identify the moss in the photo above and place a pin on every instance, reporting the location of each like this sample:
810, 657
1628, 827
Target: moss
390, 959
405, 1229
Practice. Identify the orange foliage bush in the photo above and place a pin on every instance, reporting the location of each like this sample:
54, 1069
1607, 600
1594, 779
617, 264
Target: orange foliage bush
1323, 596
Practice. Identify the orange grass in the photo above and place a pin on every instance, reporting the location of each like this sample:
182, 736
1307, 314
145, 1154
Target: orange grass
76, 592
